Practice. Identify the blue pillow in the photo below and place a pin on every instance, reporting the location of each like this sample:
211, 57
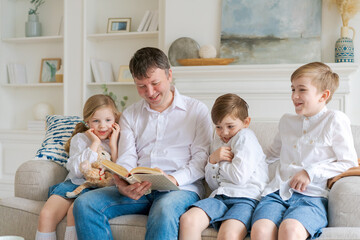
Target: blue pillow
58, 130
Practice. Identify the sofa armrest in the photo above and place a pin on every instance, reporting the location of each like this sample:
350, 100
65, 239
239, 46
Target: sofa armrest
33, 179
344, 199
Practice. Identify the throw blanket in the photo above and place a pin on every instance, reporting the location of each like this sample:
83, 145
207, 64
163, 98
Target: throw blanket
354, 171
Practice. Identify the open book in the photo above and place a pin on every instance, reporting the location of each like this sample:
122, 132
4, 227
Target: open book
139, 174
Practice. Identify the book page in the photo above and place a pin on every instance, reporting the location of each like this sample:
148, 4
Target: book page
119, 170
146, 170
158, 182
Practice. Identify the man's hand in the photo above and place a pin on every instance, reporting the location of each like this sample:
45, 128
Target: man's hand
133, 191
221, 154
300, 181
169, 177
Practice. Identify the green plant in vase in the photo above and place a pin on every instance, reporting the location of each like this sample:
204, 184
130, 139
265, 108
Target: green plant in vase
122, 101
33, 26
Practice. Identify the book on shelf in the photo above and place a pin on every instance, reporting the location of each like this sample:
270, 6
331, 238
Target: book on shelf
143, 21
36, 125
102, 71
148, 20
154, 21
140, 174
17, 73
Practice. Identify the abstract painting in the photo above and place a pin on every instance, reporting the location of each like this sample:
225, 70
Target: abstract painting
271, 31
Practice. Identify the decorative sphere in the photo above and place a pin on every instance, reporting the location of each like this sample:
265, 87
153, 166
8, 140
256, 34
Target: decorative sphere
41, 110
207, 51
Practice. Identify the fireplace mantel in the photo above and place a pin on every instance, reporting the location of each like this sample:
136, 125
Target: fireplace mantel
265, 87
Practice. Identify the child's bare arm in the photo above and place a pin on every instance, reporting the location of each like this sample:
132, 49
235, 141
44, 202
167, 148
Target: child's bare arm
113, 143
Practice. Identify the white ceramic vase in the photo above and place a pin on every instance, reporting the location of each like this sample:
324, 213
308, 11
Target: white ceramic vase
33, 26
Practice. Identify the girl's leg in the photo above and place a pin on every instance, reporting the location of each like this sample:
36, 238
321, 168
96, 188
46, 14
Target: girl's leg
292, 229
232, 229
70, 232
52, 213
264, 229
192, 223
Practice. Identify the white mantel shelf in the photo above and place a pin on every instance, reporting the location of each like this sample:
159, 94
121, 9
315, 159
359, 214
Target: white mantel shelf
262, 86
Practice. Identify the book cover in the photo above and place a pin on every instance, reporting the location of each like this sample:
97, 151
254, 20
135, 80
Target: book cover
143, 21
154, 22
140, 174
147, 24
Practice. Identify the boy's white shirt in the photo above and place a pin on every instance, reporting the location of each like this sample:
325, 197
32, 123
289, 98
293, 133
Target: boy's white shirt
322, 145
246, 175
79, 152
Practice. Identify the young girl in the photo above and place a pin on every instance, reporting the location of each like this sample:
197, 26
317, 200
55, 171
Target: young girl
236, 172
99, 128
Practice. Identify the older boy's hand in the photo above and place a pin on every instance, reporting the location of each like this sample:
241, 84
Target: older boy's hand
221, 154
133, 191
300, 181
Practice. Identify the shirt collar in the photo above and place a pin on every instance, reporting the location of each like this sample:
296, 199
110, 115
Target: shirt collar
178, 101
318, 115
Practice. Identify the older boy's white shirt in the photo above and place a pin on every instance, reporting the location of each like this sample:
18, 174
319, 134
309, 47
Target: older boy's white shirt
176, 140
79, 152
322, 145
246, 175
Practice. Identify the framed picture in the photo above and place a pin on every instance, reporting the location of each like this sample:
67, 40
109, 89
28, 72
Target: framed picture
124, 74
49, 66
116, 25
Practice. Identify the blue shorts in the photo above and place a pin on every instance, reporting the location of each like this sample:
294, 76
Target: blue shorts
221, 208
311, 212
62, 188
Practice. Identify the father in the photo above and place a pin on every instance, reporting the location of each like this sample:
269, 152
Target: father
165, 130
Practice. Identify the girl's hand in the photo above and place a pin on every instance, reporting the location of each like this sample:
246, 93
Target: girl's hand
95, 140
221, 154
114, 135
300, 181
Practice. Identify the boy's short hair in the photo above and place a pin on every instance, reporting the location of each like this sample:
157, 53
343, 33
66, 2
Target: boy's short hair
323, 78
229, 104
148, 58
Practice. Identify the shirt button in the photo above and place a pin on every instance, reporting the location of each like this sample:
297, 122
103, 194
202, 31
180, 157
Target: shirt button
213, 167
213, 176
294, 146
311, 141
304, 131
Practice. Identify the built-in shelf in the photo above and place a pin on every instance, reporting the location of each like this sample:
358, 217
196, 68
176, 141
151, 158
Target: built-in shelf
33, 85
128, 35
47, 39
112, 84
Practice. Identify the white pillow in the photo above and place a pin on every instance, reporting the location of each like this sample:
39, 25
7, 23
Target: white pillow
58, 130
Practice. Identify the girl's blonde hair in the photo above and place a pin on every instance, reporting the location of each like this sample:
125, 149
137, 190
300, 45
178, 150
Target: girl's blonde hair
93, 104
322, 77
229, 104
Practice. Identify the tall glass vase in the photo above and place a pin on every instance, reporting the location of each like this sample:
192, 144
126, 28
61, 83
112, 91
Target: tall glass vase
344, 46
33, 26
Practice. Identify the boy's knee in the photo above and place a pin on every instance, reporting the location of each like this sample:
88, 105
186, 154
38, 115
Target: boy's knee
263, 229
292, 229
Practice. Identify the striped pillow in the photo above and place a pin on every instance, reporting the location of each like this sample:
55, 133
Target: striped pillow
58, 130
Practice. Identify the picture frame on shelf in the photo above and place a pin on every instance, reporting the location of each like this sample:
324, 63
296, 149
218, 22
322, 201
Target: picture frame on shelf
125, 74
116, 25
48, 69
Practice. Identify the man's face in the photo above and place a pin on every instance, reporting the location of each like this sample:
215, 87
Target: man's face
156, 89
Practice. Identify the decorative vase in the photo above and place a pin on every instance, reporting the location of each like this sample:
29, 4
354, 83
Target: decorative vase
33, 26
344, 47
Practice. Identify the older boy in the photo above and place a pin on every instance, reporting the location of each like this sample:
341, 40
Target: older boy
312, 146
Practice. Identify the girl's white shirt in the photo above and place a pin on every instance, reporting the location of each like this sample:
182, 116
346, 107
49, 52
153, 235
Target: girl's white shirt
322, 145
79, 152
246, 175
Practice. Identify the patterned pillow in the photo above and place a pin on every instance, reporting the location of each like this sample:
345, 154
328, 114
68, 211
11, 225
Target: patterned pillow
58, 130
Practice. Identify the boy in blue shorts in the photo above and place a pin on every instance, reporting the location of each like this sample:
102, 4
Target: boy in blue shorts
313, 145
236, 171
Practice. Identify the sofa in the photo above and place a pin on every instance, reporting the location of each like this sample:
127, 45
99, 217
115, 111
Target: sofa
19, 214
